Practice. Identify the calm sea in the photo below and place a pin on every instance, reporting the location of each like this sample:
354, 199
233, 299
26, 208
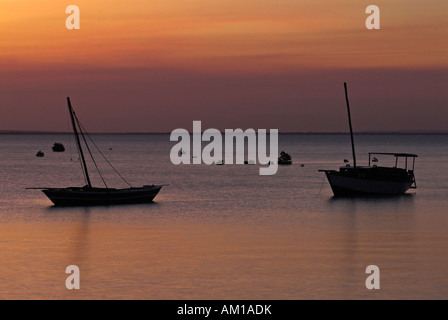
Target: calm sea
222, 232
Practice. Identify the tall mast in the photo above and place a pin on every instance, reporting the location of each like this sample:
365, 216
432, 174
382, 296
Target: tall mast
72, 116
350, 124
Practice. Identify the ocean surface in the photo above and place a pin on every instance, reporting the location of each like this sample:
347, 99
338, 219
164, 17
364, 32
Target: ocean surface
222, 232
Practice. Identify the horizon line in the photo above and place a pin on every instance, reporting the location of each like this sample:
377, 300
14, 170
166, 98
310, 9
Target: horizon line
285, 132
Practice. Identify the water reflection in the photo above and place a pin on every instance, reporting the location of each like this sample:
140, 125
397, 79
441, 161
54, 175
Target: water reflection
372, 231
78, 232
403, 202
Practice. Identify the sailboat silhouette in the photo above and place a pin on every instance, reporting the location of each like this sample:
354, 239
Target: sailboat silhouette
89, 195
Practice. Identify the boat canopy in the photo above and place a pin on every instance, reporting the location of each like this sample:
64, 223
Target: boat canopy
405, 155
397, 155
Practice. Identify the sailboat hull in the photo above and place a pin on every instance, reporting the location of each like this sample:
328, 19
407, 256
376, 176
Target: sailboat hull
101, 196
371, 180
350, 185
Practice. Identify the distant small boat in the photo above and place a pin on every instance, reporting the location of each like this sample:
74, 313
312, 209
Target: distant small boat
372, 179
285, 158
58, 147
89, 195
40, 154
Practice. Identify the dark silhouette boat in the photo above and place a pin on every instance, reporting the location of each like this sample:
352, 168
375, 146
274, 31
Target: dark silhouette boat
40, 154
58, 147
372, 179
284, 159
89, 195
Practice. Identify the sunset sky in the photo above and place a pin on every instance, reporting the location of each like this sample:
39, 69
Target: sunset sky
157, 65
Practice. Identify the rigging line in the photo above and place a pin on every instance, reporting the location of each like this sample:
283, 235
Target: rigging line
88, 149
91, 155
82, 167
104, 157
79, 155
321, 185
69, 138
80, 163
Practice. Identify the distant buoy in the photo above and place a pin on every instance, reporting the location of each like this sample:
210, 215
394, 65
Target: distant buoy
58, 147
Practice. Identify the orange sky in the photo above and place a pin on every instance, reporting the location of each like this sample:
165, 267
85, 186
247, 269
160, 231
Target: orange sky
223, 39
